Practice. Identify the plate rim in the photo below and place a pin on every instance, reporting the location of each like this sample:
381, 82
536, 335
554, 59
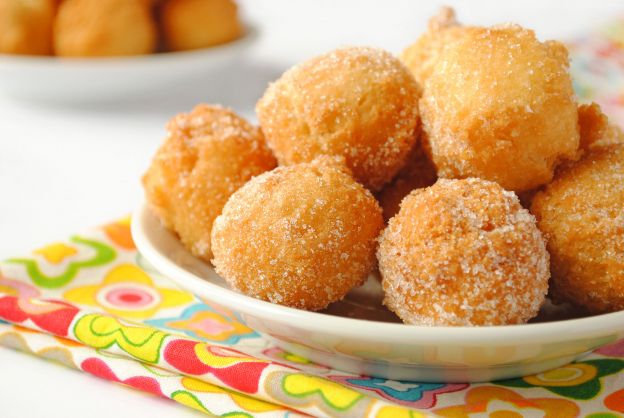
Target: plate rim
554, 331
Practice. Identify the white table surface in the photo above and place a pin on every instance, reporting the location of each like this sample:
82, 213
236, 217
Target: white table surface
65, 168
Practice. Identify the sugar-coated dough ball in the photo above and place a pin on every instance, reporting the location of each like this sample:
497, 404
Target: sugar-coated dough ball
91, 28
499, 105
463, 253
208, 154
193, 24
421, 56
26, 26
359, 103
418, 172
301, 235
582, 215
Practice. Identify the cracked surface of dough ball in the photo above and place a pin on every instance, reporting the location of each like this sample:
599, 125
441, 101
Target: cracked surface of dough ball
463, 253
418, 172
93, 28
193, 24
499, 105
300, 236
581, 214
359, 103
26, 26
208, 154
595, 128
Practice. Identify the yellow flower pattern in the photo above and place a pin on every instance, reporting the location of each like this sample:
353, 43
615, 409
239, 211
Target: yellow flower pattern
128, 292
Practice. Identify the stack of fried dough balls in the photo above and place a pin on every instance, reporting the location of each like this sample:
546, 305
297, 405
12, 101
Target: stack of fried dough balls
446, 140
97, 28
26, 26
208, 154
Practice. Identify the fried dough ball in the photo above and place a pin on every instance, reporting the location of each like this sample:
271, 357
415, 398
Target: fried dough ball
417, 173
208, 154
463, 253
359, 103
300, 236
92, 28
499, 105
421, 56
26, 26
595, 128
581, 214
193, 24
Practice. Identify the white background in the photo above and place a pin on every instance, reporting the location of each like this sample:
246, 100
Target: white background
65, 168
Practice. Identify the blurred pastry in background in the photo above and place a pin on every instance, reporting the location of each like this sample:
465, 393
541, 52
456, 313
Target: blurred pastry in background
26, 26
193, 24
92, 28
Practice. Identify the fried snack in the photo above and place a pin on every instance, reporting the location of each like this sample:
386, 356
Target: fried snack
580, 213
208, 154
421, 56
193, 24
300, 236
499, 105
417, 173
26, 26
93, 28
463, 253
359, 103
595, 128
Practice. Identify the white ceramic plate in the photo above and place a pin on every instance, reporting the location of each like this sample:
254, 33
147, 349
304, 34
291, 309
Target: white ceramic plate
358, 335
54, 79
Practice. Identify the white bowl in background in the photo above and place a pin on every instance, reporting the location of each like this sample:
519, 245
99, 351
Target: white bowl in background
57, 79
339, 338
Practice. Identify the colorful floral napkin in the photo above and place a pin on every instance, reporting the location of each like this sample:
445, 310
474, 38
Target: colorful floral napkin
94, 304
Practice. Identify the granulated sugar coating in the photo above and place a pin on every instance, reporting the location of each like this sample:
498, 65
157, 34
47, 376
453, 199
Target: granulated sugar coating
499, 105
359, 103
463, 253
582, 215
417, 172
208, 154
301, 236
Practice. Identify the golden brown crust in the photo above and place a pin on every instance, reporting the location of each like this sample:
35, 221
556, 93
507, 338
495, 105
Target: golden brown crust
580, 213
301, 235
595, 128
360, 103
193, 24
499, 105
91, 28
463, 252
209, 153
26, 26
